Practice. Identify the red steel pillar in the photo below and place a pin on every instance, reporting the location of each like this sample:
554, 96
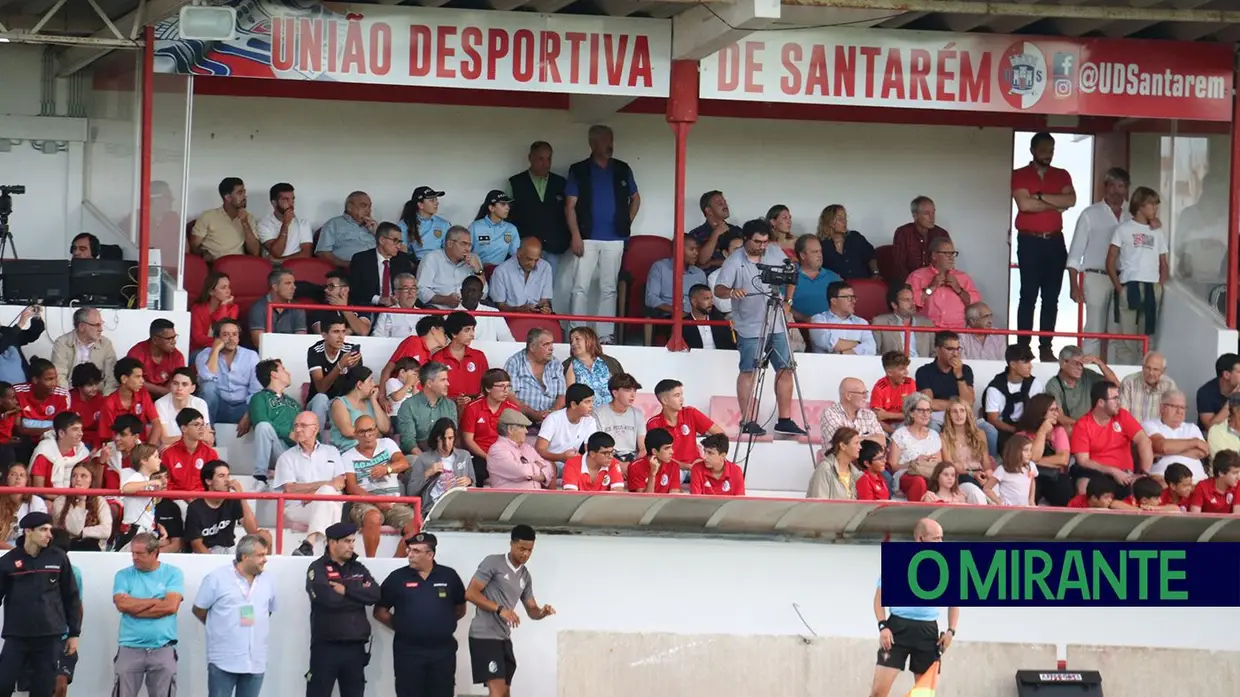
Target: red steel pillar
144, 183
682, 113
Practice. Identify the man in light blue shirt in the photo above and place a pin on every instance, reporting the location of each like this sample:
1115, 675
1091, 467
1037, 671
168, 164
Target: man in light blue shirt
226, 377
525, 282
432, 230
235, 602
348, 234
148, 596
494, 238
909, 636
853, 342
659, 282
442, 272
810, 292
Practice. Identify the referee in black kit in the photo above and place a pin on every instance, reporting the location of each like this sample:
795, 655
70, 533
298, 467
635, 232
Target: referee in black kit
423, 602
40, 597
340, 587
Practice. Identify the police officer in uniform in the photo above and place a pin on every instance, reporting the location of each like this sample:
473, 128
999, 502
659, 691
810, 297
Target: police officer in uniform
340, 588
40, 597
423, 602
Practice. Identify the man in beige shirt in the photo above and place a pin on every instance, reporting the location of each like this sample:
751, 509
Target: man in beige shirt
229, 229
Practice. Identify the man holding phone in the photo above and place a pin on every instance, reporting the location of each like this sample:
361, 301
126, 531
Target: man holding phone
13, 337
329, 360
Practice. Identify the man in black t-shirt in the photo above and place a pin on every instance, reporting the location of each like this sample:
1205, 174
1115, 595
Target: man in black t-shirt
210, 523
336, 292
168, 516
947, 377
329, 360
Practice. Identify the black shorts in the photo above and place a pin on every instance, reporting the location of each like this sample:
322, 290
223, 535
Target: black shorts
492, 659
913, 642
65, 665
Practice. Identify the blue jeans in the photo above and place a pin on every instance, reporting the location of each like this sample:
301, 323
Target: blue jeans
221, 683
749, 347
221, 410
267, 447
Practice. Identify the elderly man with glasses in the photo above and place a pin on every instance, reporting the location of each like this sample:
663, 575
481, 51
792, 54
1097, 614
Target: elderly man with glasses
1071, 386
398, 325
443, 270
1174, 438
941, 291
85, 343
981, 347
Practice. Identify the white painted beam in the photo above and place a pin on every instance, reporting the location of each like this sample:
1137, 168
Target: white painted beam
704, 30
595, 108
155, 11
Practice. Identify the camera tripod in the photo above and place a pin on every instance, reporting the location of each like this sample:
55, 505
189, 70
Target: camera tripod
773, 320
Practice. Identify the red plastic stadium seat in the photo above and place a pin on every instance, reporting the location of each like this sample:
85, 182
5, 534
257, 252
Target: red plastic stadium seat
885, 255
642, 251
195, 274
726, 411
520, 326
813, 416
648, 404
311, 270
487, 270
871, 297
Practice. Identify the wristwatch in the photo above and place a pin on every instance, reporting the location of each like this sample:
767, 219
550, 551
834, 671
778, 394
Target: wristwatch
928, 291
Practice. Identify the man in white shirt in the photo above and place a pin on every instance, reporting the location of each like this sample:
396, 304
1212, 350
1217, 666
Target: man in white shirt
443, 270
1087, 258
398, 325
281, 233
310, 467
1175, 439
565, 430
525, 282
842, 301
489, 327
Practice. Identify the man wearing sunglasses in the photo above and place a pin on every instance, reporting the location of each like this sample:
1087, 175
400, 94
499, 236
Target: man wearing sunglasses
940, 291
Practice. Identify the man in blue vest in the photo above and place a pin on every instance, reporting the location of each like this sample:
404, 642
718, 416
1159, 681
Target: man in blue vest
601, 201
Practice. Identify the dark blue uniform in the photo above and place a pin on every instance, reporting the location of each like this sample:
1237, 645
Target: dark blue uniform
424, 614
339, 628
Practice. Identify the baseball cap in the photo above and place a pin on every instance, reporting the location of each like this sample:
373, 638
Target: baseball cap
424, 192
496, 196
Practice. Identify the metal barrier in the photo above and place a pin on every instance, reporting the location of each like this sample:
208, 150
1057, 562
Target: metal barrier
278, 497
907, 330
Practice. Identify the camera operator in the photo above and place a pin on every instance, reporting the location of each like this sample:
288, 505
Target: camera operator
741, 279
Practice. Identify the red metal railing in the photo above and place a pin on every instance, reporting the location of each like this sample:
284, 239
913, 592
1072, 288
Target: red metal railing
278, 497
906, 330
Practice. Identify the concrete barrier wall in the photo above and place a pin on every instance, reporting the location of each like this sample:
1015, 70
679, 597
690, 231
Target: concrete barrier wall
1140, 670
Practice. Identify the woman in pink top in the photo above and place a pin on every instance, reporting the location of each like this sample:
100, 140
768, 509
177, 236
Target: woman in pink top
514, 464
1051, 449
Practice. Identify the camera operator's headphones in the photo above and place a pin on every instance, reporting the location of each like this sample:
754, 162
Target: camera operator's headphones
94, 244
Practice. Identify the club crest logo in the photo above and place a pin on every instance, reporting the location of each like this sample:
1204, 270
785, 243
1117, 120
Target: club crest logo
1022, 75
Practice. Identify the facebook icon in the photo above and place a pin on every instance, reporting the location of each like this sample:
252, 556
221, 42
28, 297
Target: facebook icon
1063, 74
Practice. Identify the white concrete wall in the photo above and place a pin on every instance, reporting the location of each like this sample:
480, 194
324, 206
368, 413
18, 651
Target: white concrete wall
123, 328
687, 588
389, 149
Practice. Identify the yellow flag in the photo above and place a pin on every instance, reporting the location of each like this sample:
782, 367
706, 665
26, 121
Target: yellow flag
925, 686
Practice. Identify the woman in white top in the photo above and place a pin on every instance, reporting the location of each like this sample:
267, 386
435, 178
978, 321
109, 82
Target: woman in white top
14, 507
180, 396
1137, 266
87, 518
915, 448
1016, 473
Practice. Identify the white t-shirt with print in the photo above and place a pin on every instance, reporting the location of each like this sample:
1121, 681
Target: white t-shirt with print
1139, 249
562, 435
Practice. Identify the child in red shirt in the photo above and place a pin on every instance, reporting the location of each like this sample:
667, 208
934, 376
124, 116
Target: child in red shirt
1147, 494
1179, 480
9, 409
660, 459
872, 485
887, 395
1100, 493
1218, 494
597, 470
86, 400
715, 475
684, 423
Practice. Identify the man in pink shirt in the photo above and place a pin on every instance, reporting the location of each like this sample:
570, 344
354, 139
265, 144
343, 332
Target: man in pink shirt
512, 463
940, 292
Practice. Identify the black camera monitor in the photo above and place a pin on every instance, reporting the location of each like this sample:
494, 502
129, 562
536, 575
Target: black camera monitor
29, 281
102, 282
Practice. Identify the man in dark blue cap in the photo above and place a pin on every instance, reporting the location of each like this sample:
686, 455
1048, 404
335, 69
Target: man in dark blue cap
340, 587
41, 605
423, 602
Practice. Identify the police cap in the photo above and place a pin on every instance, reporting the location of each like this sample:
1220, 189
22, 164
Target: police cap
35, 520
423, 538
339, 531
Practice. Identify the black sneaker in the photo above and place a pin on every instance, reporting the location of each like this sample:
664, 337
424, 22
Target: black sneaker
305, 549
751, 428
1047, 355
788, 427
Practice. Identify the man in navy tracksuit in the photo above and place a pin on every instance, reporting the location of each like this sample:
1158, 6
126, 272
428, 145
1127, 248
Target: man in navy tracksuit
41, 601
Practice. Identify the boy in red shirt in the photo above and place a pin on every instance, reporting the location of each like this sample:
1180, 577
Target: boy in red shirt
872, 485
659, 457
131, 398
466, 364
887, 395
684, 423
714, 475
1147, 494
40, 400
8, 413
184, 459
1100, 493
1179, 479
597, 470
429, 339
1218, 494
86, 400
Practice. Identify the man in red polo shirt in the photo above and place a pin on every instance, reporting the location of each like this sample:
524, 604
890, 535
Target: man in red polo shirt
465, 363
659, 460
184, 459
132, 398
159, 356
597, 470
684, 423
1042, 194
1218, 494
715, 475
1102, 442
